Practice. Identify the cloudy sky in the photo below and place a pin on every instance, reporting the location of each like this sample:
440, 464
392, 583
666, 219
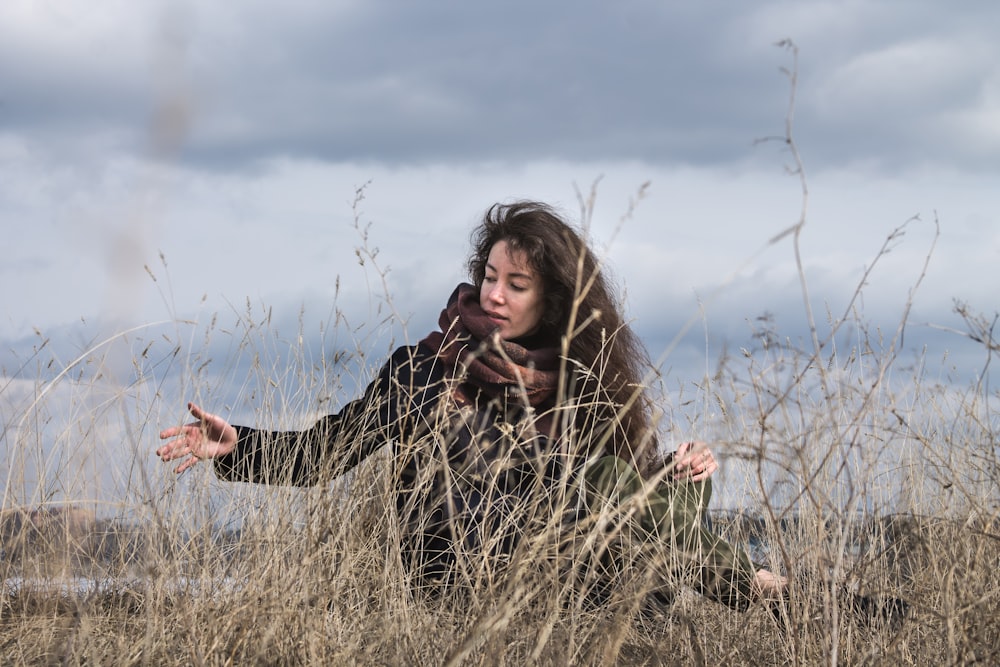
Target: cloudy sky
169, 162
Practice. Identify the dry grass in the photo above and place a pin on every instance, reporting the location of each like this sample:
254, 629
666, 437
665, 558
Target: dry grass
347, 601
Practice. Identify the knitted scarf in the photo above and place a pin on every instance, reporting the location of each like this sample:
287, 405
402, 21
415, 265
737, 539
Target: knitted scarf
470, 348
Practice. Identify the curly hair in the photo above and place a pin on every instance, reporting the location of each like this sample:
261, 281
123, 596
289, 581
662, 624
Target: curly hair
605, 359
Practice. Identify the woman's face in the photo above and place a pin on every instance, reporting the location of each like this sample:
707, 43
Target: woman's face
511, 293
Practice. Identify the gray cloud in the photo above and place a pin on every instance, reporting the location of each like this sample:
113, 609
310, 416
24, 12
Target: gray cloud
448, 81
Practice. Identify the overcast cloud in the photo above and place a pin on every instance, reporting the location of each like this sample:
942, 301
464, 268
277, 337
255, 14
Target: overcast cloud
230, 140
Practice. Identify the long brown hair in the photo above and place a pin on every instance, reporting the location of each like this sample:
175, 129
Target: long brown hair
605, 359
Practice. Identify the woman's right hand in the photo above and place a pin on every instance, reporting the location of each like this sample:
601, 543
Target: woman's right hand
206, 438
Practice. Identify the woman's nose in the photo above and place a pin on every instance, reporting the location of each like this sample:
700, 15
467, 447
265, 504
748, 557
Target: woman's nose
496, 294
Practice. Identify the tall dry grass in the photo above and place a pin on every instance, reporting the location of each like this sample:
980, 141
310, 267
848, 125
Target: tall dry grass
857, 474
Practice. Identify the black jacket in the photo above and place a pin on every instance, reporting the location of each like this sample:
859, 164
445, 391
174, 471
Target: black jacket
469, 481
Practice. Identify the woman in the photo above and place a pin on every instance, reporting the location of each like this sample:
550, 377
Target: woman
523, 415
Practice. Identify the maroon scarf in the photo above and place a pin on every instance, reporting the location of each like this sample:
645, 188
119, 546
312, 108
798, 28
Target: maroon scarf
472, 351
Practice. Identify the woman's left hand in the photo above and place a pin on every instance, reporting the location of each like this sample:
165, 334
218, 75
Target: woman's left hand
694, 461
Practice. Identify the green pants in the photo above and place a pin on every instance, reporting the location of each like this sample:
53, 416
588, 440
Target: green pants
660, 533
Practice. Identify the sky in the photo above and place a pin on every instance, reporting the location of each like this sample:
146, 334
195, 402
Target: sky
168, 169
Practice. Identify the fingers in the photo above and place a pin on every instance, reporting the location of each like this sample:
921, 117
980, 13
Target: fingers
707, 470
170, 432
689, 455
682, 450
186, 464
179, 449
214, 427
198, 413
694, 461
174, 431
185, 441
207, 437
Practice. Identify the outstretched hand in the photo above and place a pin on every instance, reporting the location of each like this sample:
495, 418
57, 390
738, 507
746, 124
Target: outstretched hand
694, 461
206, 438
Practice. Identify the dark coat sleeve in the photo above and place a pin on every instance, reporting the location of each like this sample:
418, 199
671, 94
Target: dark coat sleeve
391, 409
